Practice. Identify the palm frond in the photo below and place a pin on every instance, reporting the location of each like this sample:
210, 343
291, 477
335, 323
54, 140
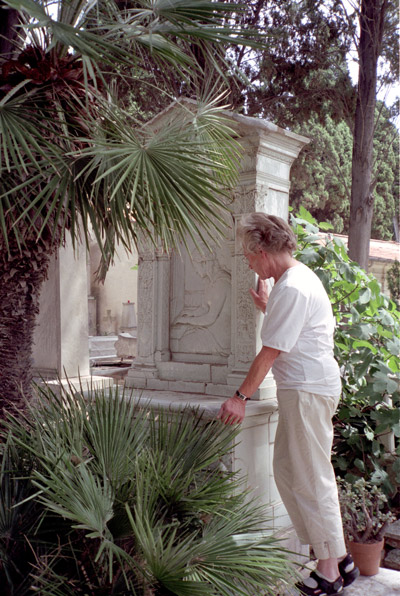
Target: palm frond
167, 516
72, 159
168, 181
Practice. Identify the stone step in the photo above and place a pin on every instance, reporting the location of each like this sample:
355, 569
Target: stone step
392, 534
102, 346
392, 559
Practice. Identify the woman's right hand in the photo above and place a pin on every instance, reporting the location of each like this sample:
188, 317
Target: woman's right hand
260, 298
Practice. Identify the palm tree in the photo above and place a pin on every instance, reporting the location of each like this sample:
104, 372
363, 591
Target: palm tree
101, 496
74, 161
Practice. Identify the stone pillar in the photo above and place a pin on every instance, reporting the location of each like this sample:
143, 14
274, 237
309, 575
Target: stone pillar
153, 313
268, 153
61, 347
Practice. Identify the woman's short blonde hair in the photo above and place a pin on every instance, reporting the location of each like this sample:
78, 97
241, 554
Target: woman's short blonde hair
259, 231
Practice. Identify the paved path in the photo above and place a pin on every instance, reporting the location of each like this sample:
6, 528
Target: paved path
386, 583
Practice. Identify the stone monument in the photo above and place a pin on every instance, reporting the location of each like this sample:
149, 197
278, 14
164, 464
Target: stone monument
198, 330
197, 325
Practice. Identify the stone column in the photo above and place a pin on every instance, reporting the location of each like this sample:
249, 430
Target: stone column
61, 346
268, 153
152, 313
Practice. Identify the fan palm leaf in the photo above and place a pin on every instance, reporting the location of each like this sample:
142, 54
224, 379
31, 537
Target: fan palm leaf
166, 182
169, 519
73, 161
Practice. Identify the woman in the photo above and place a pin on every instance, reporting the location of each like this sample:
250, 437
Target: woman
297, 343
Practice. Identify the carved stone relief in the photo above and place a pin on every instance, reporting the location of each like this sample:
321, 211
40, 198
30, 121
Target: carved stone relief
201, 304
145, 307
249, 198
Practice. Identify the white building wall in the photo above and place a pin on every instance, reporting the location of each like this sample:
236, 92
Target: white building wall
120, 286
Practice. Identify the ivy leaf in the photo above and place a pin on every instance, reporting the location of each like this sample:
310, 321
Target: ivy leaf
393, 346
359, 464
381, 478
342, 463
347, 272
369, 433
363, 330
394, 364
325, 226
376, 448
364, 296
386, 318
355, 315
367, 358
324, 277
309, 256
383, 383
386, 418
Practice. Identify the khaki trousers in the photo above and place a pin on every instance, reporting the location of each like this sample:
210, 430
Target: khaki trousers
303, 471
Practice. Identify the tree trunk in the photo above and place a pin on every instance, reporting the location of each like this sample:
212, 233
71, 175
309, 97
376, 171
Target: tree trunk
362, 201
22, 275
9, 19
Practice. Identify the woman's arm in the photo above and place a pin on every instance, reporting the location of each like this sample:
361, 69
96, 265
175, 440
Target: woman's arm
232, 410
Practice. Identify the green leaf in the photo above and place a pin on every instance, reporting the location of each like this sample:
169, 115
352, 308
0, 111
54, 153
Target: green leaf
325, 226
369, 433
393, 345
363, 330
383, 384
342, 463
365, 344
324, 276
364, 296
376, 448
359, 464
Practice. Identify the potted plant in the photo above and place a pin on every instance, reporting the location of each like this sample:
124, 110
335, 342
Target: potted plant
365, 517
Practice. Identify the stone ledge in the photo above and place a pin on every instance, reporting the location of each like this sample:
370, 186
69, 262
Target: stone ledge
392, 559
182, 371
392, 534
211, 404
84, 383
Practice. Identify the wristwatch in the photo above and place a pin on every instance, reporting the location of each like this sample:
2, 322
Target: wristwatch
241, 396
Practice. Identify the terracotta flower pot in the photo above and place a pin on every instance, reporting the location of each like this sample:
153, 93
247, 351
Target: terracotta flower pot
367, 557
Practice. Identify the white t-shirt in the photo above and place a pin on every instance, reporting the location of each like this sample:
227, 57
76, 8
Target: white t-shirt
299, 322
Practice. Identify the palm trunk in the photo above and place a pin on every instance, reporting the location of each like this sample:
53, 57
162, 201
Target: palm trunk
10, 19
22, 274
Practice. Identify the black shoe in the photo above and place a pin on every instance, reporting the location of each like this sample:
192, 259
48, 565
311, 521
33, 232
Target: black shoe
318, 586
348, 570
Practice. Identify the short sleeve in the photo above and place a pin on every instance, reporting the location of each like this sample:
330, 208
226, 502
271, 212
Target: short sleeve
284, 319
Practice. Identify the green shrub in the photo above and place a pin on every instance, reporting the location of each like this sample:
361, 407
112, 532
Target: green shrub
393, 279
103, 496
367, 348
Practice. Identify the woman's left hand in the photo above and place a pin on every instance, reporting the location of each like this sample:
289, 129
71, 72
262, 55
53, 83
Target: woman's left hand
232, 411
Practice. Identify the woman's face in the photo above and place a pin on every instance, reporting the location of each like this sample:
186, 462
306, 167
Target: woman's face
260, 263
